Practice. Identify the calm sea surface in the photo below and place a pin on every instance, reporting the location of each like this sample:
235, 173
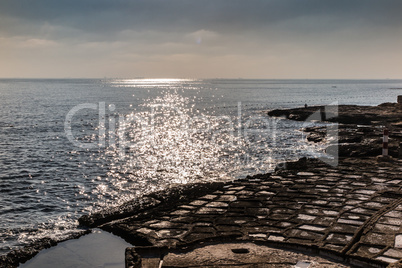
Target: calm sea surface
71, 147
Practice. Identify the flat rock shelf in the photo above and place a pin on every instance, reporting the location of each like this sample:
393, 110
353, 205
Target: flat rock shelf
351, 214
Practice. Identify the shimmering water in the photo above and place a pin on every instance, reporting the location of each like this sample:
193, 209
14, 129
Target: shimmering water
142, 135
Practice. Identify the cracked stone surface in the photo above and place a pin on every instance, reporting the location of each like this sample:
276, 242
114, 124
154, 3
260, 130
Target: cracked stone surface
246, 254
350, 212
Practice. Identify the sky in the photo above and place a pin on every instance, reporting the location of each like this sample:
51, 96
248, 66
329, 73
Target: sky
273, 39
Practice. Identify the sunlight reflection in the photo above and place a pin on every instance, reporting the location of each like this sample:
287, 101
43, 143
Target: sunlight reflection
173, 137
149, 82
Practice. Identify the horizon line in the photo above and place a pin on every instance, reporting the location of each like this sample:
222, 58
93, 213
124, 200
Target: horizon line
190, 78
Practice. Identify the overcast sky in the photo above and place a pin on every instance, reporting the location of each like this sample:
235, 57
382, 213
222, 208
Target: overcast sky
201, 39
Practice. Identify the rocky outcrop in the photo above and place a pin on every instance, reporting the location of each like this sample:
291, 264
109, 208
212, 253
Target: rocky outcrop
360, 128
384, 114
356, 141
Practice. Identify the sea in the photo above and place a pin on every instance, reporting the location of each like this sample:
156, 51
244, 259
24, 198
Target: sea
70, 147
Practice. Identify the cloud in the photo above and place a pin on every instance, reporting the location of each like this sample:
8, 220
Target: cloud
159, 37
103, 16
201, 36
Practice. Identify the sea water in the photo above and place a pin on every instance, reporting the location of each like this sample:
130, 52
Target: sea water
69, 147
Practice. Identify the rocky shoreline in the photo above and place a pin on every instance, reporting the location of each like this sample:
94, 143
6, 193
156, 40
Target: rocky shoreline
350, 215
360, 128
387, 114
265, 210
